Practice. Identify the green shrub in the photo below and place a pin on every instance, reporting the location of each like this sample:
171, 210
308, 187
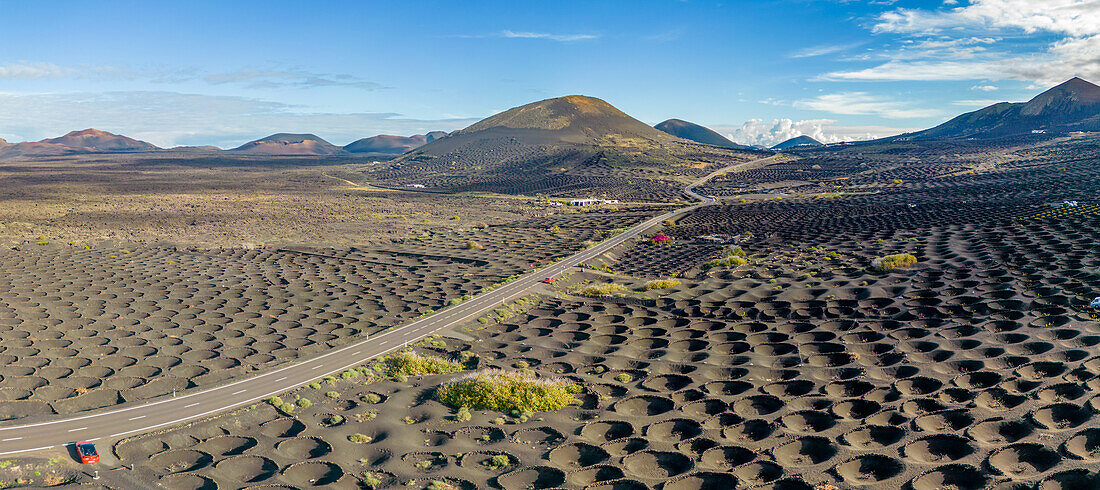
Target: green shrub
661, 284
334, 419
409, 363
287, 408
601, 289
731, 261
505, 391
498, 461
371, 398
891, 262
623, 378
472, 245
463, 414
333, 394
315, 385
521, 365
304, 403
360, 438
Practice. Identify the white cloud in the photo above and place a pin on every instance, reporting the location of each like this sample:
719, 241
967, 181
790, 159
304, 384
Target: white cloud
922, 71
823, 50
864, 104
24, 70
290, 78
543, 35
981, 41
984, 88
769, 133
1071, 17
169, 118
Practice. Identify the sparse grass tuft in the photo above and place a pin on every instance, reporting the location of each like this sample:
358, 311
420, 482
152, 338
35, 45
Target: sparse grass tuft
506, 391
409, 363
891, 262
661, 284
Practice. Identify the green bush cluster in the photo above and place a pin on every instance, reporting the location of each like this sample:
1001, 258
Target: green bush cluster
605, 289
891, 262
661, 284
409, 363
731, 261
507, 391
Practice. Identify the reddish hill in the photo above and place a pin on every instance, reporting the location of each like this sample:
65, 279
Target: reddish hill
290, 144
76, 142
96, 140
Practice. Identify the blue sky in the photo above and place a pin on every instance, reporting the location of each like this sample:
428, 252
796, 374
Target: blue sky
224, 73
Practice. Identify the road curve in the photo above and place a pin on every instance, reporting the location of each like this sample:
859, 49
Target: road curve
112, 424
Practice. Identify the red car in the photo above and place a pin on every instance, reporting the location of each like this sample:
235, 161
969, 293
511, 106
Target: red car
87, 453
548, 280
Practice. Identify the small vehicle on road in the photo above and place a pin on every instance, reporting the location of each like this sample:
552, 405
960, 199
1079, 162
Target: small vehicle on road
548, 280
87, 453
1095, 303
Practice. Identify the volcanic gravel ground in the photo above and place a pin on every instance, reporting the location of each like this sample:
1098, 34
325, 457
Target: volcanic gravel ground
977, 367
84, 329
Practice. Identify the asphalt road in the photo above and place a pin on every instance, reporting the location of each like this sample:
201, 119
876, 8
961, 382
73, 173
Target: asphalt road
113, 424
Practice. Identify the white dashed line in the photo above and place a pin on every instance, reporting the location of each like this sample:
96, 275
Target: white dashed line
238, 392
138, 417
189, 406
11, 439
316, 367
280, 379
74, 430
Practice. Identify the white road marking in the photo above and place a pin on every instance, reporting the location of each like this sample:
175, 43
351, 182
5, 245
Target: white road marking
280, 379
74, 430
238, 392
10, 439
27, 450
138, 417
316, 367
189, 406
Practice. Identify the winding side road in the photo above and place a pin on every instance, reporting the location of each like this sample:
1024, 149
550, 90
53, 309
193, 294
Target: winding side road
109, 425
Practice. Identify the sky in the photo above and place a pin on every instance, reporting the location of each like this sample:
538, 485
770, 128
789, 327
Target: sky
223, 73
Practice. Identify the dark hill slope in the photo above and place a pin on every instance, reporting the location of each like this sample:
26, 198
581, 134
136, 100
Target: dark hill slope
567, 146
386, 144
696, 133
798, 142
1071, 106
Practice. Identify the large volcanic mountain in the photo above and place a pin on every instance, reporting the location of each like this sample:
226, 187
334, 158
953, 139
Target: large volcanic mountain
1071, 106
694, 132
290, 144
86, 141
572, 145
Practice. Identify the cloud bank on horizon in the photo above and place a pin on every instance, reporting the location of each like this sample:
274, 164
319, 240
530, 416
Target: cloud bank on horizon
835, 71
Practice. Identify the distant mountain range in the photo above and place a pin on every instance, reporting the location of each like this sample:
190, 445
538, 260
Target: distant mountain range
1071, 106
289, 144
577, 120
798, 142
696, 133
